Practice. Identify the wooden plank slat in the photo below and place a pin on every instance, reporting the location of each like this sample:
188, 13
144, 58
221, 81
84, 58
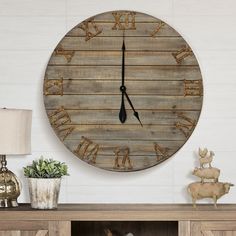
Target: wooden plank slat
137, 147
142, 29
109, 117
195, 228
207, 233
10, 233
174, 88
23, 225
59, 228
131, 72
108, 17
184, 228
114, 58
31, 233
113, 102
133, 132
124, 212
131, 43
137, 162
42, 233
210, 225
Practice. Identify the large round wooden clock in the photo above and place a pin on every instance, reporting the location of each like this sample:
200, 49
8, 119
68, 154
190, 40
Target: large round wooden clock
123, 91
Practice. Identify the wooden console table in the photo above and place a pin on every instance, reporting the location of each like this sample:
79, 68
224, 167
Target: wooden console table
141, 219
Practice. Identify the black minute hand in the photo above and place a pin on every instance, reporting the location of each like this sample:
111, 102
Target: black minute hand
122, 113
135, 112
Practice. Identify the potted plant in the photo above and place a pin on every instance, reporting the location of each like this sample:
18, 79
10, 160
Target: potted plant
44, 178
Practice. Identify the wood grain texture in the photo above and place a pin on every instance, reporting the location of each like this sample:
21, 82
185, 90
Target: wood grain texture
162, 79
132, 43
111, 58
10, 233
73, 102
109, 117
124, 212
141, 30
175, 88
23, 226
184, 228
24, 233
213, 228
113, 73
140, 219
59, 228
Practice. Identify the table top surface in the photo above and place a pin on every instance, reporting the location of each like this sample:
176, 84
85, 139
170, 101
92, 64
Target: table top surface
113, 212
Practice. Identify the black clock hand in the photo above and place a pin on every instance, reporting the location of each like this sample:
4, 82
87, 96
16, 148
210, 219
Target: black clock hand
135, 112
123, 63
122, 113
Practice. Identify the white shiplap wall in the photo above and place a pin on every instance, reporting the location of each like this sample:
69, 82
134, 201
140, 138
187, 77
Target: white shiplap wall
29, 31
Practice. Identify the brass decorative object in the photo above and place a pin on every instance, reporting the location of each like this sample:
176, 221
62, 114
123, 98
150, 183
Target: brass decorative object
15, 127
9, 186
208, 187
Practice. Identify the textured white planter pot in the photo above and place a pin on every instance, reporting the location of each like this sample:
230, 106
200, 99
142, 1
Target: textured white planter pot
44, 192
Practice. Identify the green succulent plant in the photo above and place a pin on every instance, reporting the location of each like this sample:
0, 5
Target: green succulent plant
46, 168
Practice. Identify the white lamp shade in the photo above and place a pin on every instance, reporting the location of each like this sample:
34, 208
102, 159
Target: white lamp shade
15, 131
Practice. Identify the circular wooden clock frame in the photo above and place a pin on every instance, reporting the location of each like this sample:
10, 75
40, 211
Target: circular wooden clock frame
123, 91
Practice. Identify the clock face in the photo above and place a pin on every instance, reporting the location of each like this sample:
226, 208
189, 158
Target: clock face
123, 91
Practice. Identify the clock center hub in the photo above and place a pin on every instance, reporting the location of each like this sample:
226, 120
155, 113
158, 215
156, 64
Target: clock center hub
122, 88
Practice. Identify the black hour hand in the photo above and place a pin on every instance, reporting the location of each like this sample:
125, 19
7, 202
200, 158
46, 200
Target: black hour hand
135, 112
122, 113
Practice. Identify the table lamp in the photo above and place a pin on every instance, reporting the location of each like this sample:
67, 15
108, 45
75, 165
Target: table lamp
15, 139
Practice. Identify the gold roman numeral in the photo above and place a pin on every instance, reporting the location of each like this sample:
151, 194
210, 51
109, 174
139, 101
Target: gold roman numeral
124, 21
161, 152
68, 54
122, 155
193, 87
157, 29
53, 87
90, 29
182, 54
58, 120
87, 149
186, 124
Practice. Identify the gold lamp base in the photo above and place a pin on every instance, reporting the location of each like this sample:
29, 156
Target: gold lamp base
9, 186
